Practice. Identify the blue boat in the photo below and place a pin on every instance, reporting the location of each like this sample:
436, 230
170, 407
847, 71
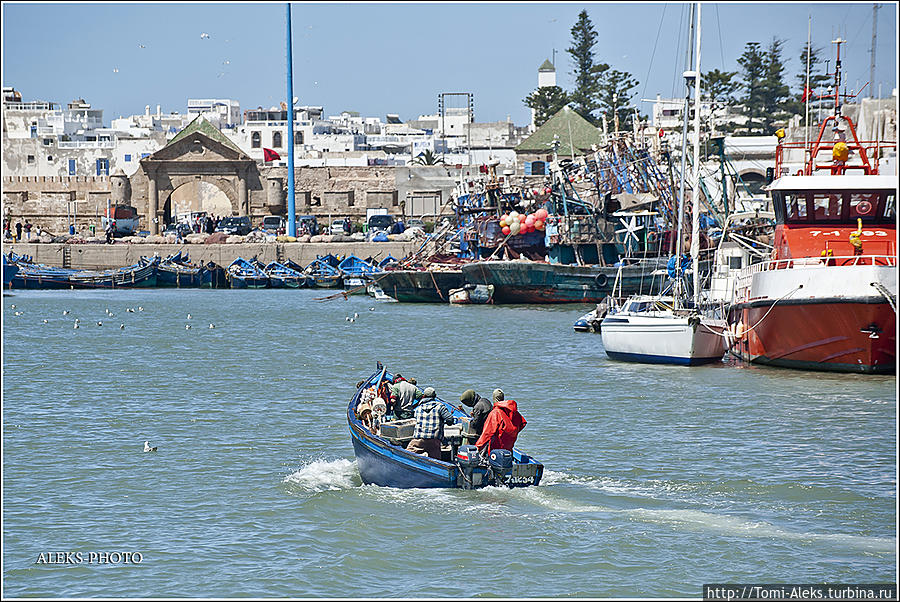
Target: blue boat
141, 274
389, 260
177, 271
243, 274
324, 272
213, 276
30, 275
9, 271
282, 276
382, 459
357, 273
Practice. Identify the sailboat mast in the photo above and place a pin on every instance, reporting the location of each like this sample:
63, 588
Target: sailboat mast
695, 191
684, 129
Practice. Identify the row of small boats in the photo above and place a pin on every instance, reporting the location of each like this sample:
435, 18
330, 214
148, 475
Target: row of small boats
178, 271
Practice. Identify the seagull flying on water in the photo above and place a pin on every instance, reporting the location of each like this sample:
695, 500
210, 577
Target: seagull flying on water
204, 36
147, 447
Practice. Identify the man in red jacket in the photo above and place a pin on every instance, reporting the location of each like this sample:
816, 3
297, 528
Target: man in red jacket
502, 425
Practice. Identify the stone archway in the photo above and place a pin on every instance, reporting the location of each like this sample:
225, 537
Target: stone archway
215, 197
199, 156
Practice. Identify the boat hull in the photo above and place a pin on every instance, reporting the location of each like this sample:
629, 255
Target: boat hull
184, 278
536, 282
833, 335
420, 286
663, 340
386, 465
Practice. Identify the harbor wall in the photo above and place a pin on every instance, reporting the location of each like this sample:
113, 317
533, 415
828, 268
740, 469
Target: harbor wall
101, 256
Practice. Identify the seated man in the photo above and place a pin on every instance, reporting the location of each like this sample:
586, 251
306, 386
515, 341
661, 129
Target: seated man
431, 416
502, 425
403, 396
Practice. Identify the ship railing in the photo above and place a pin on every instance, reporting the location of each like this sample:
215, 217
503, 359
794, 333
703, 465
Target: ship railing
745, 276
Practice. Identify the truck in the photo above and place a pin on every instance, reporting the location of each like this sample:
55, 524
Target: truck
125, 219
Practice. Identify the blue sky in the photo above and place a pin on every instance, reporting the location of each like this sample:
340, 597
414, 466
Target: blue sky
379, 58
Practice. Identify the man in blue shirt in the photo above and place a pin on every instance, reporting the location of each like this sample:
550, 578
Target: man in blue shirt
431, 416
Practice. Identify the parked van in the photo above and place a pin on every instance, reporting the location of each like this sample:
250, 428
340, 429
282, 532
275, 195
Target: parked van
274, 224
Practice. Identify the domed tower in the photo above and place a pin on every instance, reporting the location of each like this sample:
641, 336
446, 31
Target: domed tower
120, 190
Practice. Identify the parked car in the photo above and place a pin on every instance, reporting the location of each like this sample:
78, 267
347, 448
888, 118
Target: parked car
235, 225
337, 226
312, 225
179, 228
274, 224
379, 223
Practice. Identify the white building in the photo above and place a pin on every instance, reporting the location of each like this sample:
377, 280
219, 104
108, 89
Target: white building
222, 113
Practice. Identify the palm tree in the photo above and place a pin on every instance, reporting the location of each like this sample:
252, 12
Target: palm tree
428, 158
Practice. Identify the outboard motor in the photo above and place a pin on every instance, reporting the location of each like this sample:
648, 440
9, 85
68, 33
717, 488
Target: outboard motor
468, 459
501, 463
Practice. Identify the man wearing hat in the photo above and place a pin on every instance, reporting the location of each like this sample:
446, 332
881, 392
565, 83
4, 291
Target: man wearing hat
403, 397
481, 407
431, 416
502, 426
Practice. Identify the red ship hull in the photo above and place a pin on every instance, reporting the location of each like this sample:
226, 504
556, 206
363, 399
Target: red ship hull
828, 335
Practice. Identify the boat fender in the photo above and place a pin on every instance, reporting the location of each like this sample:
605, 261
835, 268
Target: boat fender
601, 280
694, 321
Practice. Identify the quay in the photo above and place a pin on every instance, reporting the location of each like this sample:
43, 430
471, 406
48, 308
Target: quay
97, 256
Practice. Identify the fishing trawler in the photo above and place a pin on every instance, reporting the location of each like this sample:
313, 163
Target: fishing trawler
827, 297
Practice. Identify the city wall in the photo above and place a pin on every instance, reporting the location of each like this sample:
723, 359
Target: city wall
101, 256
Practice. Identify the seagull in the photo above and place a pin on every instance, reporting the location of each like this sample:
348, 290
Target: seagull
65, 311
187, 326
112, 315
140, 309
355, 315
44, 321
77, 320
212, 325
76, 324
352, 320
147, 447
347, 318
121, 327
18, 313
371, 309
115, 70
189, 316
141, 46
107, 310
130, 310
204, 36
226, 62
14, 306
99, 323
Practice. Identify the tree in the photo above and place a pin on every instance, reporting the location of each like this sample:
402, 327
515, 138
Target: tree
614, 97
719, 86
586, 72
546, 102
753, 71
818, 81
428, 158
776, 95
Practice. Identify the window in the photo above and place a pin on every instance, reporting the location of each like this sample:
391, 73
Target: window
144, 155
127, 158
255, 140
30, 159
538, 168
276, 139
49, 158
827, 206
48, 141
795, 205
71, 167
298, 138
102, 167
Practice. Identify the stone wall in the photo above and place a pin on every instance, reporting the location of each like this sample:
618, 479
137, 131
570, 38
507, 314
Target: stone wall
46, 201
100, 256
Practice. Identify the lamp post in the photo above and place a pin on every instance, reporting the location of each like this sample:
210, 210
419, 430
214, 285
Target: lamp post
292, 220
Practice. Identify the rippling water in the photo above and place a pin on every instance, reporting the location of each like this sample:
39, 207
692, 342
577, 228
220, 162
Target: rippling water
658, 479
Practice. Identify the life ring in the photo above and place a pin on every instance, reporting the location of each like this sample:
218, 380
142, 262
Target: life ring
652, 236
864, 207
601, 280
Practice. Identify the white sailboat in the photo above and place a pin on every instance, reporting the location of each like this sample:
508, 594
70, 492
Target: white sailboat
670, 329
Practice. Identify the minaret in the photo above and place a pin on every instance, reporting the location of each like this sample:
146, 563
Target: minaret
546, 78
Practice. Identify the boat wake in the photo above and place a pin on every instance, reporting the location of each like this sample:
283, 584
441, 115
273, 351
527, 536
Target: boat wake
324, 475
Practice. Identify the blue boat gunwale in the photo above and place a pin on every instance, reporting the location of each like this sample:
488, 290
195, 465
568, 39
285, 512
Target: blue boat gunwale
410, 460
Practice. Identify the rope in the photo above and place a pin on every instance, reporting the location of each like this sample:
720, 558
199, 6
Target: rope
433, 281
886, 294
782, 298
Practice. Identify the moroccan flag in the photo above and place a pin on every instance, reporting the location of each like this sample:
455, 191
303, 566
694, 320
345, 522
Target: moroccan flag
270, 155
806, 94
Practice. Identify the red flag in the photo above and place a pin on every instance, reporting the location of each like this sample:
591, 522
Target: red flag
806, 94
270, 155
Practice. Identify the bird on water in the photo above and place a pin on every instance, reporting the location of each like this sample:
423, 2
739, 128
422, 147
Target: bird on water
147, 447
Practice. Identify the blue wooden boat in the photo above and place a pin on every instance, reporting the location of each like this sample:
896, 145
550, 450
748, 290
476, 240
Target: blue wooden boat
30, 275
213, 276
324, 272
382, 459
282, 276
177, 271
141, 274
357, 273
9, 271
389, 260
306, 280
243, 274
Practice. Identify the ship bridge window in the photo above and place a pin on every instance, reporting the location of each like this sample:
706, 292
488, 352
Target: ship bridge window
827, 206
795, 206
888, 211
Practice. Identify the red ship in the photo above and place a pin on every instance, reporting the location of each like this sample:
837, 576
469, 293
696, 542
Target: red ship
827, 297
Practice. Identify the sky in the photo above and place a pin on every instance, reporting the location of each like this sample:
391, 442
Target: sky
380, 58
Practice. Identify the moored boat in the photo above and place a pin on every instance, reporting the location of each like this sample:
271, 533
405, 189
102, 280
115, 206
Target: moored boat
243, 274
323, 272
357, 273
177, 271
141, 274
9, 271
827, 297
431, 285
282, 276
383, 460
472, 294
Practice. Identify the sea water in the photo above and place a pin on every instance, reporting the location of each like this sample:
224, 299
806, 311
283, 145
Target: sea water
657, 479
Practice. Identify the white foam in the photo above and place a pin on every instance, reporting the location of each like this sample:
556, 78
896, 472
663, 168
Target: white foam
325, 475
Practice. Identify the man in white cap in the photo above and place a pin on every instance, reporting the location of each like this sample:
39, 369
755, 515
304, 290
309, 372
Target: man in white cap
431, 416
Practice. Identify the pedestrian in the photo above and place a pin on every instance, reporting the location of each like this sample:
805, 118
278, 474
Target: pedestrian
431, 416
18, 231
27, 228
109, 231
502, 426
347, 227
481, 407
6, 233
